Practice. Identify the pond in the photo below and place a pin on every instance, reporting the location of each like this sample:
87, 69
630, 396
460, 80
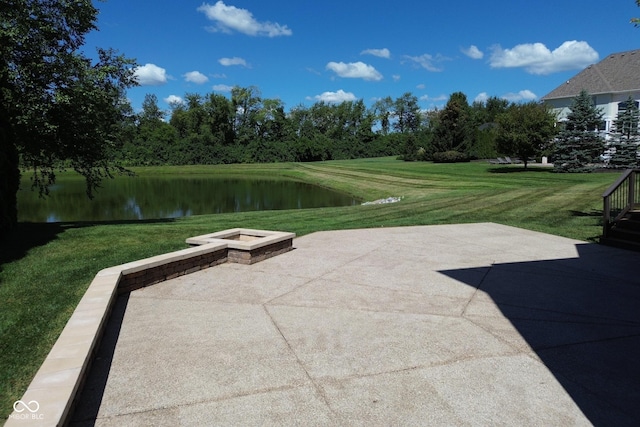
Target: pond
145, 197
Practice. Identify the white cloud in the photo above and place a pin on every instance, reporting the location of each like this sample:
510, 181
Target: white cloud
230, 18
395, 77
150, 75
428, 62
313, 71
336, 97
219, 76
481, 97
382, 53
536, 58
173, 99
222, 88
196, 77
473, 52
356, 70
523, 95
439, 98
227, 62
421, 86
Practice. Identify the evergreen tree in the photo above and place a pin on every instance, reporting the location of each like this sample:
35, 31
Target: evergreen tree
579, 145
454, 131
483, 124
626, 137
410, 148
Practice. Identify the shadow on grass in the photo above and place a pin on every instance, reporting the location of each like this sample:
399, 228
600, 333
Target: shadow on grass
593, 213
82, 224
29, 235
26, 236
520, 169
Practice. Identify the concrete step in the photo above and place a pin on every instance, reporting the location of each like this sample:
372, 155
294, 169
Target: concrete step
629, 223
621, 243
625, 233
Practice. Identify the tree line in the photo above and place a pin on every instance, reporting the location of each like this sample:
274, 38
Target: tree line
246, 128
213, 128
61, 109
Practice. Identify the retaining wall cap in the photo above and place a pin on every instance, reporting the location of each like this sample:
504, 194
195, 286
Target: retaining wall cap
263, 238
63, 369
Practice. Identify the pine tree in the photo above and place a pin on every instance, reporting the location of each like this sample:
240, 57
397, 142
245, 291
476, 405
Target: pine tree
453, 132
579, 145
626, 137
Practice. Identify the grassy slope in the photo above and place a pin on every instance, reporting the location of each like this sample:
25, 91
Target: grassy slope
45, 268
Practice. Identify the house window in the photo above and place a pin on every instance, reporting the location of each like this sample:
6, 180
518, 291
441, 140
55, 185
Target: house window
622, 106
602, 126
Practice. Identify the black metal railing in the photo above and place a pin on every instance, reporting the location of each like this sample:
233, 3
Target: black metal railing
619, 199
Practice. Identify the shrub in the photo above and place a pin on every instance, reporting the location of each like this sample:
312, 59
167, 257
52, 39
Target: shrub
450, 157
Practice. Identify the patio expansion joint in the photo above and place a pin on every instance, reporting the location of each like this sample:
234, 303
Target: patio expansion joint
477, 288
365, 310
289, 291
316, 386
382, 288
573, 344
587, 319
313, 279
202, 401
425, 366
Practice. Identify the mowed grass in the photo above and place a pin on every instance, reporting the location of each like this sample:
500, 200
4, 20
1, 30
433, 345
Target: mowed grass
46, 268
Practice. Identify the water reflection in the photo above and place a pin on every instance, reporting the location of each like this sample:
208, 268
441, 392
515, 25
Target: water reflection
140, 198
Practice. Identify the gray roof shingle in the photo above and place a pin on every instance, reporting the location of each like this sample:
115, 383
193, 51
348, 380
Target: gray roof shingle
618, 72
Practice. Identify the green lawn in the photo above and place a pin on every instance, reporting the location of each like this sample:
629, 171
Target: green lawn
45, 268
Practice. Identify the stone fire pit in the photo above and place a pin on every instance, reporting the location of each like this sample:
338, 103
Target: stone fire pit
247, 246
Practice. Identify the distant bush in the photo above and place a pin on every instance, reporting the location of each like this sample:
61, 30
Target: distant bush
450, 157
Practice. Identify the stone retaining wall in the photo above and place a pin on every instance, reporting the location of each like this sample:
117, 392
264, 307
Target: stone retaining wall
260, 254
151, 276
55, 386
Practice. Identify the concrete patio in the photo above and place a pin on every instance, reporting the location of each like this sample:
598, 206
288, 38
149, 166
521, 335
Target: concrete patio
476, 324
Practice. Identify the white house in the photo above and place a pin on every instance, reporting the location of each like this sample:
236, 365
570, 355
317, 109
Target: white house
610, 82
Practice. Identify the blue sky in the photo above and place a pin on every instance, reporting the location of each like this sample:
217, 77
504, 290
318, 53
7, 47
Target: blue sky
306, 51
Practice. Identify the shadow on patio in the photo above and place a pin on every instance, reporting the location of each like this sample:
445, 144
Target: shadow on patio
580, 316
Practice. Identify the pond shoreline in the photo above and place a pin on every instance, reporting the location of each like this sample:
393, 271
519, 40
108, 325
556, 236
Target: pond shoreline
150, 196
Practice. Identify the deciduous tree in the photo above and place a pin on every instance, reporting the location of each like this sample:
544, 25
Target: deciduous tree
383, 109
525, 130
406, 113
247, 103
57, 104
